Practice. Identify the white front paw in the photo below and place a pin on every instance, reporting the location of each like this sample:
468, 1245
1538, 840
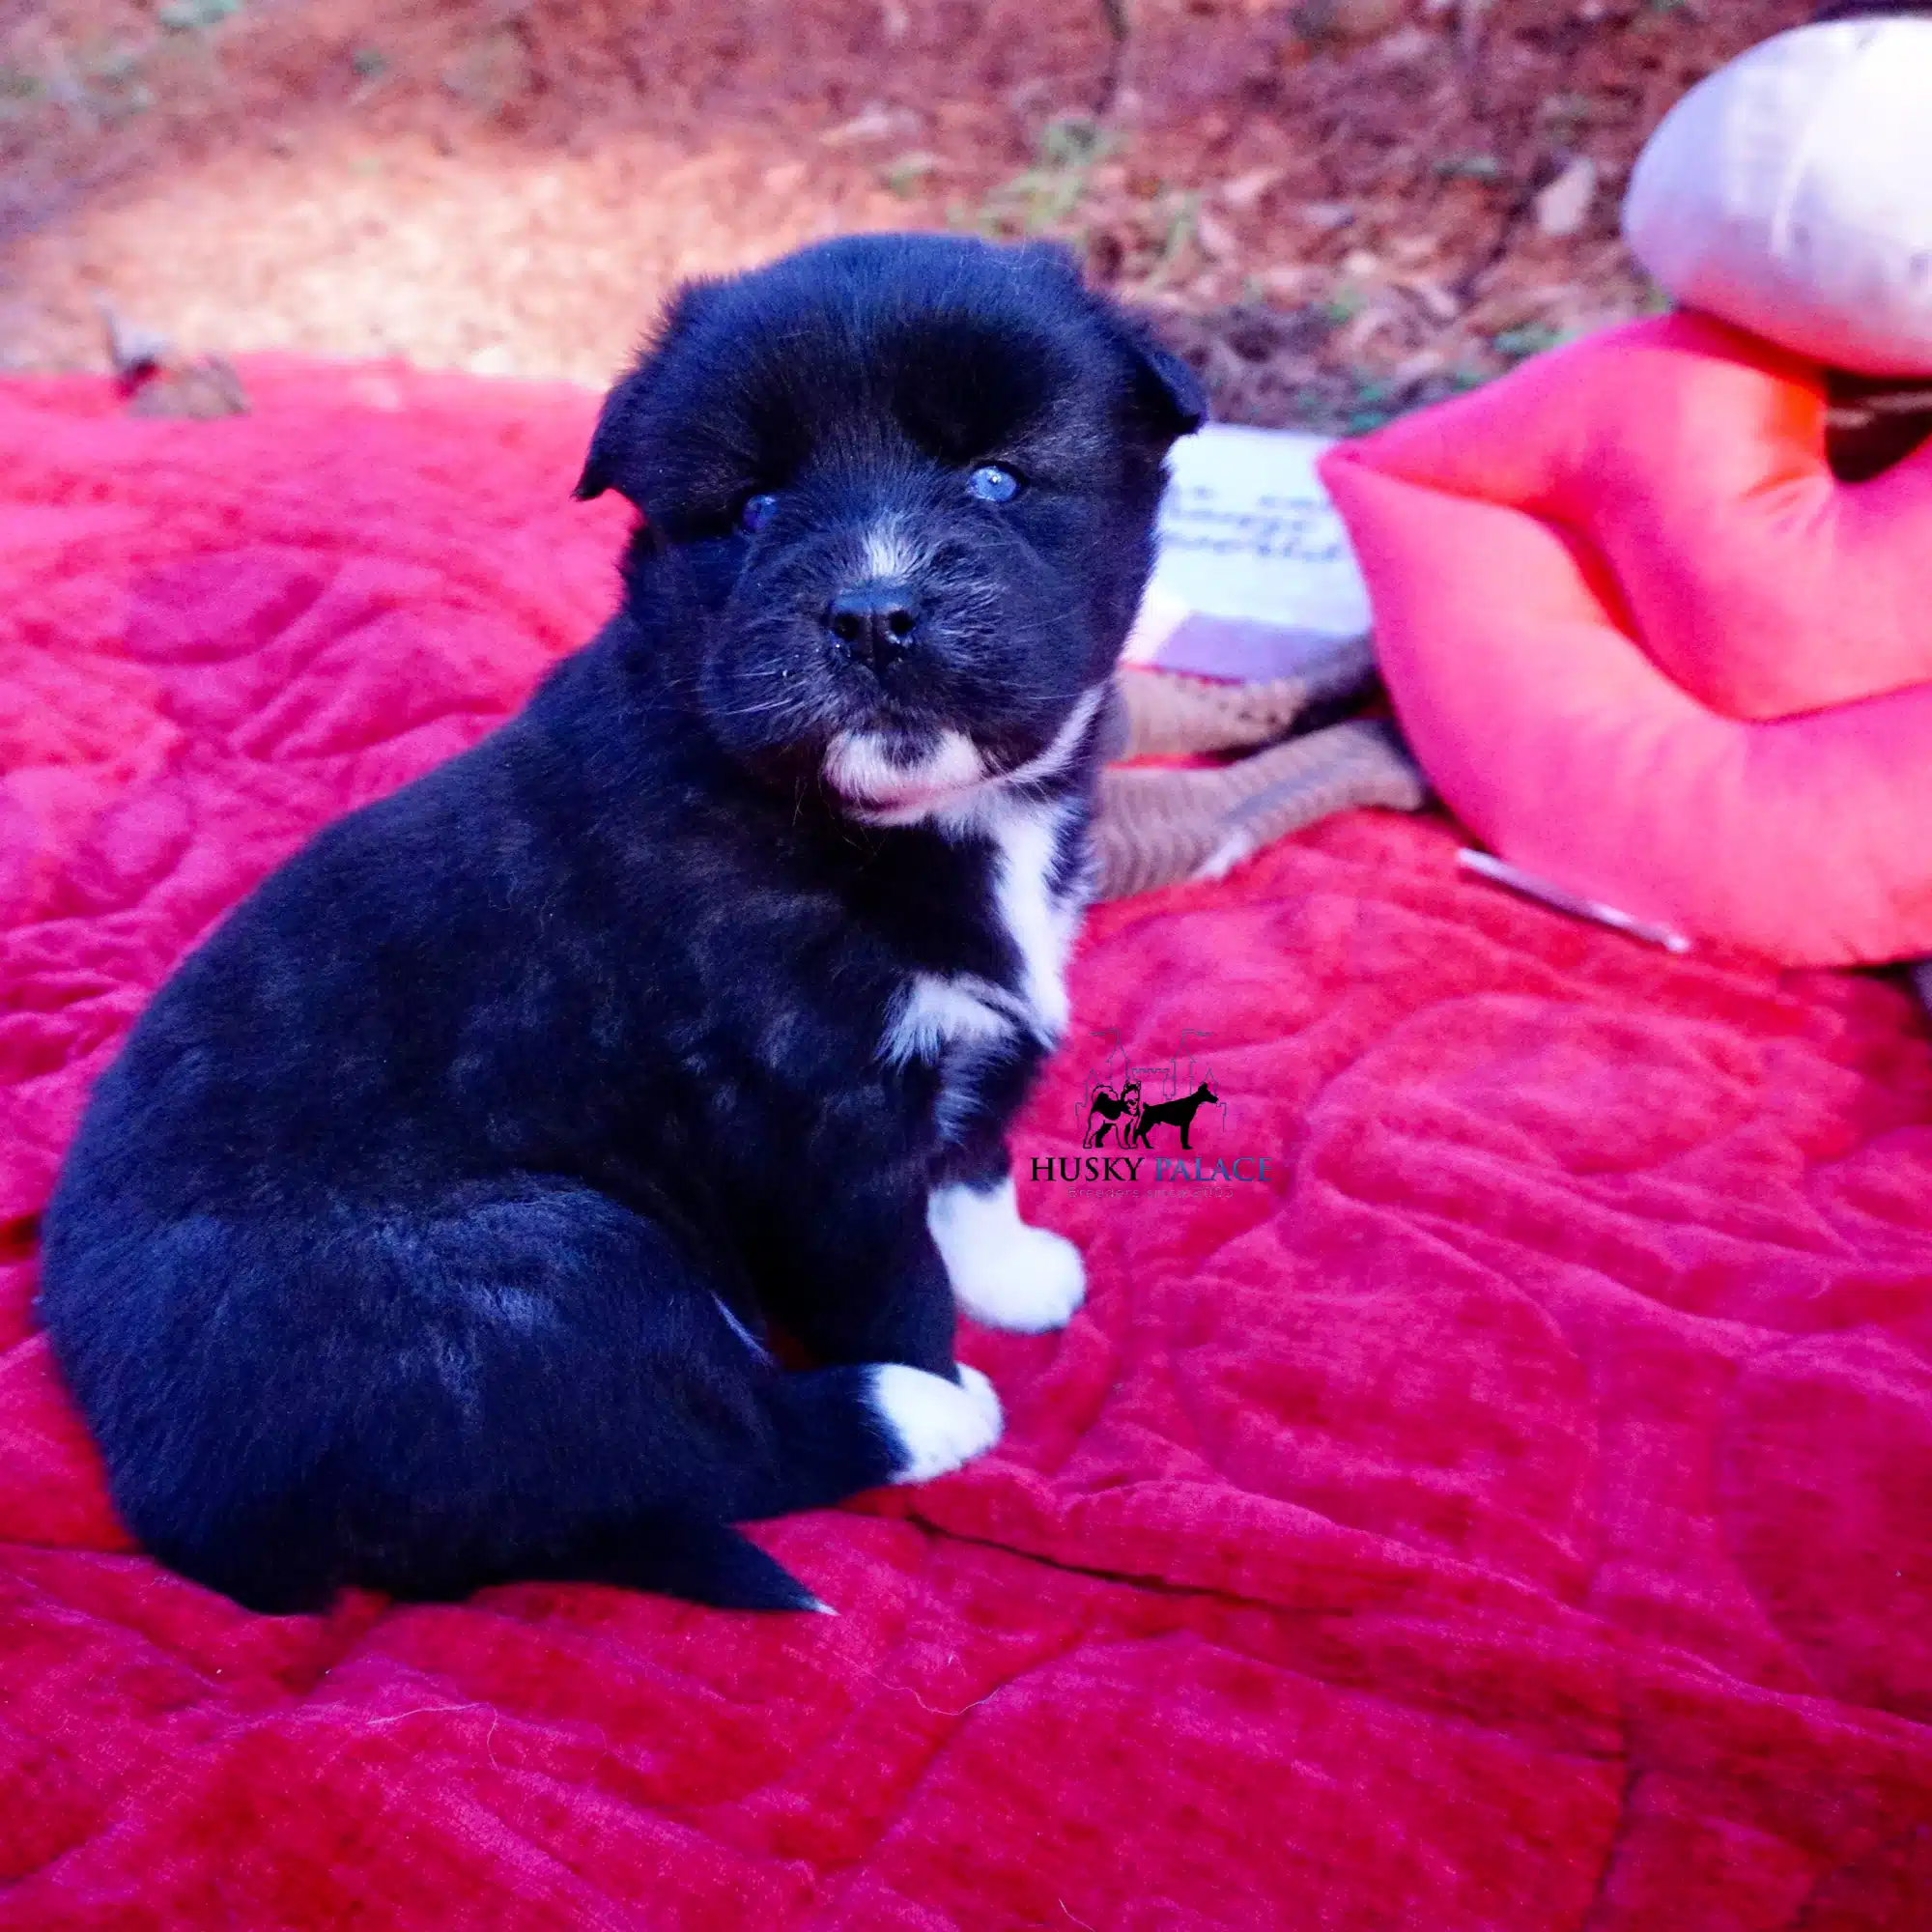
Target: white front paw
1035, 1282
1003, 1272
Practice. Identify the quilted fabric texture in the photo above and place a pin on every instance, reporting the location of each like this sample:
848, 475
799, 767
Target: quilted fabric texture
1489, 1488
1645, 645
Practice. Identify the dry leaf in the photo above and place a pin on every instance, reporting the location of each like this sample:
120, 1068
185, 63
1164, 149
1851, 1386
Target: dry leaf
877, 123
1245, 190
203, 391
1215, 237
1563, 208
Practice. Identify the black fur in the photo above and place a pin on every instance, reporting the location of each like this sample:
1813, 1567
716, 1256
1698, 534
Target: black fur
395, 1248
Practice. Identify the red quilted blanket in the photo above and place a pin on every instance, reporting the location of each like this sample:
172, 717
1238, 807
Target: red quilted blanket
1490, 1486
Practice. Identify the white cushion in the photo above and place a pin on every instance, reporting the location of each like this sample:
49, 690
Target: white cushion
1791, 193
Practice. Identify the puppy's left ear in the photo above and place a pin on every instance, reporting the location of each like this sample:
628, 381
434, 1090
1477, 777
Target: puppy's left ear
1170, 392
1167, 392
1171, 399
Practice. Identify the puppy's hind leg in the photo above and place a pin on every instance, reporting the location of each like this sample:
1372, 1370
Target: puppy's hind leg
851, 1429
800, 1442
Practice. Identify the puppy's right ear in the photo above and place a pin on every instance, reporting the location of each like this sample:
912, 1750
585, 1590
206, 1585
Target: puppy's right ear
616, 442
615, 433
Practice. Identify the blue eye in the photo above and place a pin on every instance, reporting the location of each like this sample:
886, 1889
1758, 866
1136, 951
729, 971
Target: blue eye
756, 513
993, 483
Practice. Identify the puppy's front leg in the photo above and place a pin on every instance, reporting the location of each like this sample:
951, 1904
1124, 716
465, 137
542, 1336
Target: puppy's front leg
1004, 1271
866, 1282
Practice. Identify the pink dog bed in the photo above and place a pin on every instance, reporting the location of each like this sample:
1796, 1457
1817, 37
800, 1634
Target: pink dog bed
1648, 646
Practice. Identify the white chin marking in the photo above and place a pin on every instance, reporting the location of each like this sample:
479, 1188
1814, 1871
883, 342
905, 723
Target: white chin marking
1003, 1272
861, 766
951, 785
937, 1424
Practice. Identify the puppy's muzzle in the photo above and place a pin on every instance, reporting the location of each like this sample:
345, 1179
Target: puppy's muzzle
874, 624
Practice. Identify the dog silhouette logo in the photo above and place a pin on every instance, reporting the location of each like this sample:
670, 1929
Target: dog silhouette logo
1151, 1123
1178, 1114
1126, 1102
1107, 1110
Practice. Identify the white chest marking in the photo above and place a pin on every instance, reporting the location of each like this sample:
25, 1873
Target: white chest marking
1038, 921
938, 1011
959, 1021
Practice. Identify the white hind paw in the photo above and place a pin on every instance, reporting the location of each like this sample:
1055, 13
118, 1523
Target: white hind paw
1003, 1272
937, 1424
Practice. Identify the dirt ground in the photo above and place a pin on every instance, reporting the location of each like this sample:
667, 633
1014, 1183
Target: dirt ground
1337, 206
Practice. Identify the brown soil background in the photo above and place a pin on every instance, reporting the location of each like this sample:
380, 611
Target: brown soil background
1331, 205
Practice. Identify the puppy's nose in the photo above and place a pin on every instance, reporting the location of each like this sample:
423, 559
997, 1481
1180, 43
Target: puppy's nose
872, 623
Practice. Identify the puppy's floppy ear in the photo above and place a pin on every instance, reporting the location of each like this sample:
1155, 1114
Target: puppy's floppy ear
1168, 393
1171, 392
615, 441
615, 434
1171, 399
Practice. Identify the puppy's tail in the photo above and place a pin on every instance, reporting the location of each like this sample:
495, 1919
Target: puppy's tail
825, 1435
829, 1434
712, 1563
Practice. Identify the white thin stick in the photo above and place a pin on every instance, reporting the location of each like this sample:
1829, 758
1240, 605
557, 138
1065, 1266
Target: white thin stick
1499, 871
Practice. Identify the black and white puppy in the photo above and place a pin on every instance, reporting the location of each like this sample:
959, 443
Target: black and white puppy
426, 1231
